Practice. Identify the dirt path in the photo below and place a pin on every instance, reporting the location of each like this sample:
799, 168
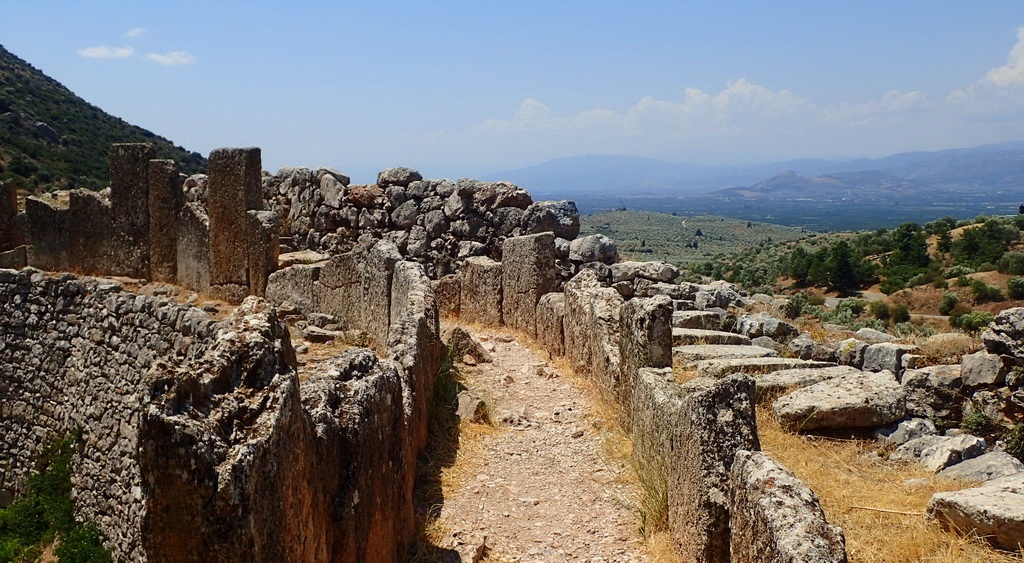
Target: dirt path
542, 486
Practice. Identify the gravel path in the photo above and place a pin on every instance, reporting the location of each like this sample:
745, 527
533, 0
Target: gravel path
542, 487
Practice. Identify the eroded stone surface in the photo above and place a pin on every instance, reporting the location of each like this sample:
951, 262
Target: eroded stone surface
855, 400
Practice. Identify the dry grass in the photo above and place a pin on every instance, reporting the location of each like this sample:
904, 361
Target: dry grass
947, 347
683, 373
847, 474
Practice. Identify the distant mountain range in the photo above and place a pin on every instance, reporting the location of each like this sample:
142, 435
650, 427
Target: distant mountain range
51, 137
813, 193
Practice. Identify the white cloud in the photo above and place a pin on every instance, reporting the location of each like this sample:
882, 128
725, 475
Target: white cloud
135, 32
173, 58
104, 52
1012, 73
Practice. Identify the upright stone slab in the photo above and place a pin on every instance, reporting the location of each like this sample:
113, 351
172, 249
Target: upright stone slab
47, 230
645, 339
89, 233
129, 204
166, 200
8, 209
550, 318
233, 188
528, 273
263, 249
193, 254
591, 329
481, 291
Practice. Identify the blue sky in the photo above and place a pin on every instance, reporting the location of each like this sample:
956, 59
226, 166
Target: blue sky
461, 88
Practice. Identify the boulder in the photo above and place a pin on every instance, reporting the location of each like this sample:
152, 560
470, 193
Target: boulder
934, 392
982, 369
718, 294
763, 324
856, 400
850, 352
886, 356
993, 465
872, 336
461, 344
995, 513
765, 342
558, 217
399, 176
1005, 335
939, 452
905, 431
593, 248
707, 320
805, 348
771, 385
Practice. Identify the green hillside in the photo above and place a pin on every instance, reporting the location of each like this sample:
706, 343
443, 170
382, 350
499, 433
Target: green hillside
49, 137
648, 235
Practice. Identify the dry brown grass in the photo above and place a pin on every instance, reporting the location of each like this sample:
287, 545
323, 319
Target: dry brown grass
683, 373
947, 347
847, 474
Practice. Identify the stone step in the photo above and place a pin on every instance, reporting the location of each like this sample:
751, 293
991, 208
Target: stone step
687, 355
685, 336
684, 304
753, 366
707, 320
771, 385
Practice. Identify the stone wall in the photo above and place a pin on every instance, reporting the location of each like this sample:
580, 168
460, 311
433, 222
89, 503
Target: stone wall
199, 440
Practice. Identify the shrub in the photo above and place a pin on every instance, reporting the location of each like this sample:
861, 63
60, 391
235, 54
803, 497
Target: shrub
795, 306
977, 424
949, 301
854, 306
1015, 287
899, 314
986, 267
972, 322
1014, 440
940, 283
816, 299
1011, 263
962, 281
957, 271
984, 292
879, 310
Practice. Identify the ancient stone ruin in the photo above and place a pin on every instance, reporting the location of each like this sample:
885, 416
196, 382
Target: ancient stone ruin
202, 440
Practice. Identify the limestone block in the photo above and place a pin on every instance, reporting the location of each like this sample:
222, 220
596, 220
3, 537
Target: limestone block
558, 217
707, 320
993, 465
89, 224
687, 336
193, 253
591, 329
356, 288
593, 248
762, 324
481, 292
724, 366
550, 320
528, 272
645, 340
774, 516
940, 452
166, 200
982, 369
905, 431
448, 291
693, 353
15, 258
47, 235
886, 356
855, 400
771, 385
233, 188
295, 285
850, 352
995, 513
263, 248
934, 392
1005, 335
129, 207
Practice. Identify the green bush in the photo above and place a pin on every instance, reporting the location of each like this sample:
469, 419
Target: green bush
1014, 440
1015, 287
1011, 263
949, 301
983, 292
899, 314
963, 281
957, 271
971, 322
854, 306
795, 306
977, 424
986, 267
879, 310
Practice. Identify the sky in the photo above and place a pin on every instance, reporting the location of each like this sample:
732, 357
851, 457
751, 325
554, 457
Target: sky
463, 88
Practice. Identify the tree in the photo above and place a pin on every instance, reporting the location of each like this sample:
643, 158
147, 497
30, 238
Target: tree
909, 247
841, 275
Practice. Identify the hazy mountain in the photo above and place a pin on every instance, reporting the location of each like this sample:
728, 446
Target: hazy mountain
51, 137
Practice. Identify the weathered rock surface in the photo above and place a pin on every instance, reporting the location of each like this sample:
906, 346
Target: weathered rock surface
687, 336
720, 367
707, 320
886, 356
856, 400
528, 272
771, 385
481, 291
905, 431
982, 369
939, 452
993, 465
775, 517
593, 248
1005, 335
696, 352
762, 324
995, 513
934, 392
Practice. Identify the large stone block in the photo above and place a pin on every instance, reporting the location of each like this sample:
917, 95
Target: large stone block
193, 253
89, 223
129, 205
715, 419
995, 513
982, 369
233, 188
550, 319
448, 292
481, 291
356, 289
528, 272
645, 339
775, 517
47, 234
853, 400
263, 249
166, 200
295, 285
591, 329
1005, 334
886, 356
